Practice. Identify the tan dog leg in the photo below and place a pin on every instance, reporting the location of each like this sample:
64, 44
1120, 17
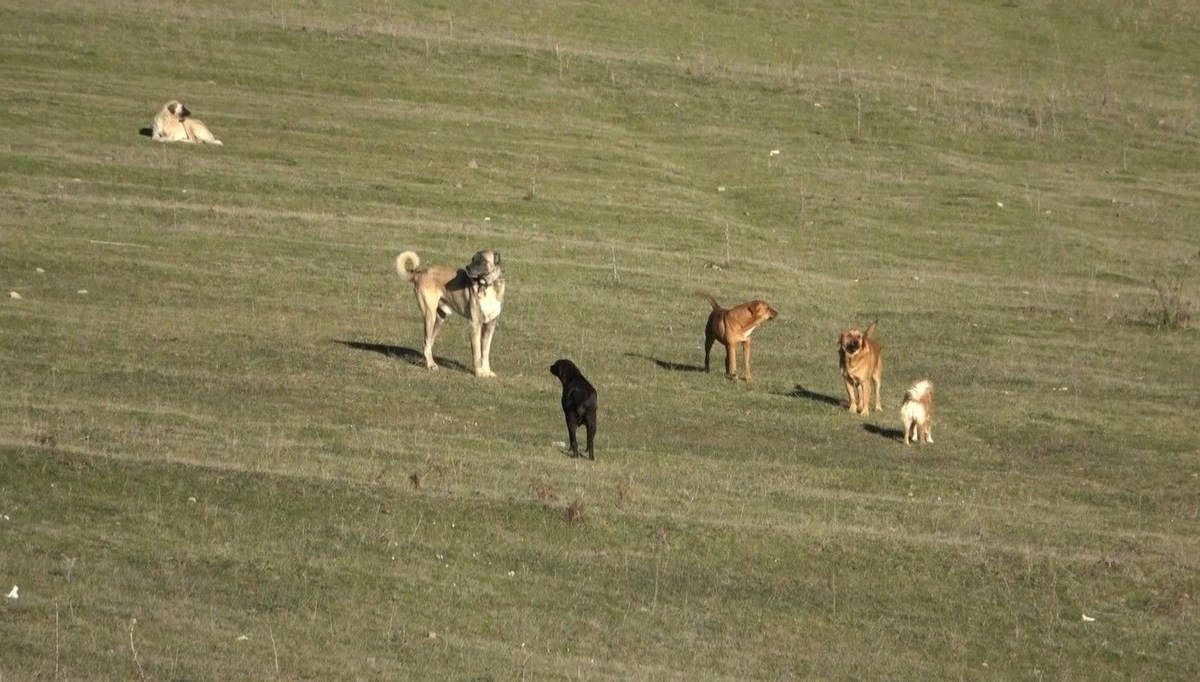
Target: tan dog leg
433, 326
852, 395
486, 333
481, 348
746, 353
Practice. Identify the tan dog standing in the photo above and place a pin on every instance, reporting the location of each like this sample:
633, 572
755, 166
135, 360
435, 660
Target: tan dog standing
860, 358
732, 327
916, 412
174, 124
476, 292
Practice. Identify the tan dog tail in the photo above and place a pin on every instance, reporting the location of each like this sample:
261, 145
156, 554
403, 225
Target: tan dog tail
708, 297
402, 261
870, 332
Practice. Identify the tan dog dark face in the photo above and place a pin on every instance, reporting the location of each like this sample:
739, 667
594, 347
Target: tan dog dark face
861, 362
851, 341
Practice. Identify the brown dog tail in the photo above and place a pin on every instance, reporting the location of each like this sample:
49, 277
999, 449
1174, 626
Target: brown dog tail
708, 297
402, 262
870, 332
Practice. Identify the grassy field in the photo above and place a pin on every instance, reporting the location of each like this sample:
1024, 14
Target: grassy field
220, 459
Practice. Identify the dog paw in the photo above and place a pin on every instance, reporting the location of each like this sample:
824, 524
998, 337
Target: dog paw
485, 374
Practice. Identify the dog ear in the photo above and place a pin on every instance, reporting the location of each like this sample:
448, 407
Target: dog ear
496, 257
171, 107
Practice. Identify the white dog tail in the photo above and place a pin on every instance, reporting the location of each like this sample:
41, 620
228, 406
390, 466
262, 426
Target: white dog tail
402, 262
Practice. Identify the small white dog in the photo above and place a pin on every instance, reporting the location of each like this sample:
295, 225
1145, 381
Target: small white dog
173, 124
916, 412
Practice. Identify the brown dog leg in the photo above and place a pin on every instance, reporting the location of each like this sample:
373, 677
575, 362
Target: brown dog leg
731, 361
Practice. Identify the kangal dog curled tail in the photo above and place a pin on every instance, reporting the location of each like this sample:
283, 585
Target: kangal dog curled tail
916, 412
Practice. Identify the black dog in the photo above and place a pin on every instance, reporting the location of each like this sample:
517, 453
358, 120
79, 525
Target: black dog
578, 403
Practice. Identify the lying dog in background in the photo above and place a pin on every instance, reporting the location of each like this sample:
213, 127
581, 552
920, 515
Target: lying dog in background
476, 292
733, 326
916, 412
578, 404
174, 124
862, 364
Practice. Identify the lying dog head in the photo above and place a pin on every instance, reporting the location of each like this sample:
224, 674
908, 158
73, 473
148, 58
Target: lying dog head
175, 108
484, 266
852, 340
564, 369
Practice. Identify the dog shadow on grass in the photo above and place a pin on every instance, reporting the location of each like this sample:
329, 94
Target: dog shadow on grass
886, 432
667, 364
410, 355
802, 392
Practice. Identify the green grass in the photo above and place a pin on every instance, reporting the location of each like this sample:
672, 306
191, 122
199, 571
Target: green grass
220, 462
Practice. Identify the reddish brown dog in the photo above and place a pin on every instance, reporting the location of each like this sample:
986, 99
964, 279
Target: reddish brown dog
859, 355
732, 327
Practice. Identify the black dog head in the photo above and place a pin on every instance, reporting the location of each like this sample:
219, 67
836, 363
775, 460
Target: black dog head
564, 369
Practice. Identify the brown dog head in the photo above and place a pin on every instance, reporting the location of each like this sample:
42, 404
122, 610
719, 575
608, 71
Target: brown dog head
852, 341
762, 311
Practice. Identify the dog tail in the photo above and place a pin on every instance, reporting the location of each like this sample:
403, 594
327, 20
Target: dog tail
708, 297
870, 332
402, 261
